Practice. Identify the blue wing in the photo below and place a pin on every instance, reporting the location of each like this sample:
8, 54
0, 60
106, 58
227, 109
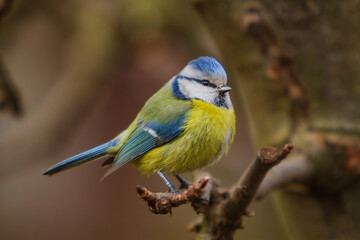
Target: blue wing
145, 137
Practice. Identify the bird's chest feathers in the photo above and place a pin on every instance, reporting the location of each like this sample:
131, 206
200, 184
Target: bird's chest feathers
209, 125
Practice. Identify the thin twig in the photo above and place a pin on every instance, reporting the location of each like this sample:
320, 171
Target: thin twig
201, 204
162, 203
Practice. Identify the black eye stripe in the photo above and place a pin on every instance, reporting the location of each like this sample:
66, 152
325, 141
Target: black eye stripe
205, 82
201, 81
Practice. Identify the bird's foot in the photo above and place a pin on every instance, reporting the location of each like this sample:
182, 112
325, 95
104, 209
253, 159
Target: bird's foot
183, 183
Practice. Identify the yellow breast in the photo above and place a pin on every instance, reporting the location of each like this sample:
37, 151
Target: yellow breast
208, 133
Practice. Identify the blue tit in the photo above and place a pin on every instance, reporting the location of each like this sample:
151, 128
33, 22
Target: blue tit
188, 124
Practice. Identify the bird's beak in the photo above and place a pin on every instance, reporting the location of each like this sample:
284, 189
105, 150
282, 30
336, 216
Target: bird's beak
224, 89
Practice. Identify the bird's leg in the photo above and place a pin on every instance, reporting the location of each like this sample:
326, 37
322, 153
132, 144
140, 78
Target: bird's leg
183, 184
167, 182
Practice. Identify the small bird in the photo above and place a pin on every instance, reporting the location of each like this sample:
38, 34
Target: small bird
188, 124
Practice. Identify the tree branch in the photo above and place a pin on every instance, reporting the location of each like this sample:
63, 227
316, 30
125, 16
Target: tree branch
5, 6
244, 191
9, 97
279, 65
292, 170
222, 209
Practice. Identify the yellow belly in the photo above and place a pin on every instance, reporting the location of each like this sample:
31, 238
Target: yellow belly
208, 133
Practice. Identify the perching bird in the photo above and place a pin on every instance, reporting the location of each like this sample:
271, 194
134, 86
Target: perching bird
188, 124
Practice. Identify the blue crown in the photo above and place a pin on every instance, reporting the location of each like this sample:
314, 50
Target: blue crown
209, 66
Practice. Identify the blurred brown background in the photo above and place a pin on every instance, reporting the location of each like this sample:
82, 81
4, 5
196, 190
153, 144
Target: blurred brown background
83, 69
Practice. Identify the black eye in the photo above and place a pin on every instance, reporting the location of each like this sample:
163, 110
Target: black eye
205, 82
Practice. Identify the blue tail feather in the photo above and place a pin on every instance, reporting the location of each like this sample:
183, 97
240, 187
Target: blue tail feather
81, 158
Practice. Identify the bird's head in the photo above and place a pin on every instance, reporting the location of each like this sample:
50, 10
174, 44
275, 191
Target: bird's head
204, 79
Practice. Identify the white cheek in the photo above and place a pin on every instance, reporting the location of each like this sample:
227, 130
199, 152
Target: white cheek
192, 89
228, 101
